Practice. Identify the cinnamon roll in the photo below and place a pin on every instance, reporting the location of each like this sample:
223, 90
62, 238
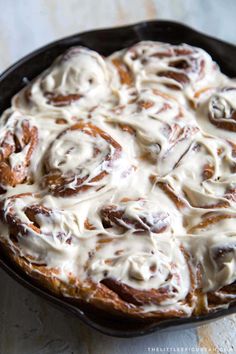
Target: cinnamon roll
80, 158
168, 126
222, 109
18, 140
204, 174
118, 183
136, 214
160, 263
79, 78
180, 67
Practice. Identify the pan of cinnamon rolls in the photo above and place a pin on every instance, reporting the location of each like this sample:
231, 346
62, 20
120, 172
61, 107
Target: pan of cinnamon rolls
118, 176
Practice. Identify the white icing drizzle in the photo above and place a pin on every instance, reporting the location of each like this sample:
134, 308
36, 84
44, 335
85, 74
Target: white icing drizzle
156, 107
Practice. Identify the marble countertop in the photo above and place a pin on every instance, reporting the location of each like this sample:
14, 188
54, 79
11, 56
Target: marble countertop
28, 324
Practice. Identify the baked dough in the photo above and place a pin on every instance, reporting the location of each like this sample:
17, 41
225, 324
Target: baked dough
118, 184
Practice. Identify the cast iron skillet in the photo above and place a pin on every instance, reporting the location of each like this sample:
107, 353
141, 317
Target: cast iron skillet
105, 42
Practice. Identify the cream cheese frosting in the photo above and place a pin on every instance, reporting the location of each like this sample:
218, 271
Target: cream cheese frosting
132, 175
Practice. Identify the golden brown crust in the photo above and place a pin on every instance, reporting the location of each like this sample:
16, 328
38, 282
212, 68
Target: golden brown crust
10, 144
109, 294
101, 295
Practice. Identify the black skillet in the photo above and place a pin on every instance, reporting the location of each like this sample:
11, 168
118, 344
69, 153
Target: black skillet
105, 42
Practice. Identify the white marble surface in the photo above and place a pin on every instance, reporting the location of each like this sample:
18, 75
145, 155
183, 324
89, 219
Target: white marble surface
28, 324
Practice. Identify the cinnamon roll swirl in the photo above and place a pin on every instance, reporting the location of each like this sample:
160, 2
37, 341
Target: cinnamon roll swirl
118, 183
76, 79
136, 214
180, 67
222, 109
80, 158
161, 263
168, 126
